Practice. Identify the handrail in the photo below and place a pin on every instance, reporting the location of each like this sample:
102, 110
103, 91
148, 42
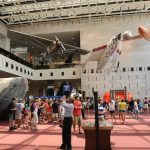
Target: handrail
16, 58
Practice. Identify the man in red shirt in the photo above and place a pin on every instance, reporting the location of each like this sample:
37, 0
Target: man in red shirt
77, 114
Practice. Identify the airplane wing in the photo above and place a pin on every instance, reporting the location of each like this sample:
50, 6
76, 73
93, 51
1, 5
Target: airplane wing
38, 45
34, 43
76, 50
97, 53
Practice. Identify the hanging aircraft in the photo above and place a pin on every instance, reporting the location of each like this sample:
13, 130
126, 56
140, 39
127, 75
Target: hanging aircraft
11, 87
43, 46
107, 55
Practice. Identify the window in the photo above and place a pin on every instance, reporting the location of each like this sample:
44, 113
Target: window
74, 73
84, 71
148, 68
92, 70
132, 68
6, 64
62, 73
12, 66
140, 68
20, 69
31, 74
51, 74
28, 72
124, 69
17, 68
40, 74
24, 71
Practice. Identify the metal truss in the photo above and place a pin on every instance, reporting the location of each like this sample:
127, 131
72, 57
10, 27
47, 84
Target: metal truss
13, 12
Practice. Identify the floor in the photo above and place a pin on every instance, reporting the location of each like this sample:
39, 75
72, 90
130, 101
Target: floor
134, 135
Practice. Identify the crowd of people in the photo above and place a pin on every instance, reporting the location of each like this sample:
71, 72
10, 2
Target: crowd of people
121, 107
69, 112
28, 113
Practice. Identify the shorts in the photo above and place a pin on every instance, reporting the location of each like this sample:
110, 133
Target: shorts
146, 106
12, 117
35, 118
136, 112
112, 112
122, 111
62, 117
18, 115
55, 115
77, 120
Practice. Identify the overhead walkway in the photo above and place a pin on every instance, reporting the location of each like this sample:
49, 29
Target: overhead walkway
12, 64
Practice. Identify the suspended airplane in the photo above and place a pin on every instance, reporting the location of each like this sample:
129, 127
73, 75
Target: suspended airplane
11, 87
107, 55
43, 46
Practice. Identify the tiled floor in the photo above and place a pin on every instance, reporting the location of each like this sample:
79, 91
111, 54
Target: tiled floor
134, 135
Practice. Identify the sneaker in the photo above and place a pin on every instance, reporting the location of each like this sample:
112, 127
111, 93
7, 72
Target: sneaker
10, 128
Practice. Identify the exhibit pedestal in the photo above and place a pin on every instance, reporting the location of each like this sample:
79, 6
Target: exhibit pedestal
104, 137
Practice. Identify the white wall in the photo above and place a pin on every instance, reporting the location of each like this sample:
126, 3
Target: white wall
44, 74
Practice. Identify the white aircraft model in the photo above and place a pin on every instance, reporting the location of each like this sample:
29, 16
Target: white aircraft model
107, 55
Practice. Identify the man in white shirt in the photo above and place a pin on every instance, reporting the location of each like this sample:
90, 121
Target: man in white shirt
67, 123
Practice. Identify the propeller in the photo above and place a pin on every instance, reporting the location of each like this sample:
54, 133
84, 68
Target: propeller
59, 44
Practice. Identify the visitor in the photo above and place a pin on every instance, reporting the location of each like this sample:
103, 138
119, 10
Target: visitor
77, 114
67, 123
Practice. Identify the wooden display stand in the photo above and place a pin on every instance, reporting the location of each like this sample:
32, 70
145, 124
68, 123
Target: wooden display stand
104, 137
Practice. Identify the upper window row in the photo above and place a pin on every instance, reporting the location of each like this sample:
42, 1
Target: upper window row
17, 69
123, 69
62, 73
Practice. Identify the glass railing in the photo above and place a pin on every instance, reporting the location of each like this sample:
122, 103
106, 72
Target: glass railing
16, 58
26, 63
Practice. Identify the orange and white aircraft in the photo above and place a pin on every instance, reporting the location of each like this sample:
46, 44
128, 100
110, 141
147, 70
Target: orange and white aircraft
107, 55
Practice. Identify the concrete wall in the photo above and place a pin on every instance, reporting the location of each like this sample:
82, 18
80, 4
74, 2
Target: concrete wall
4, 41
